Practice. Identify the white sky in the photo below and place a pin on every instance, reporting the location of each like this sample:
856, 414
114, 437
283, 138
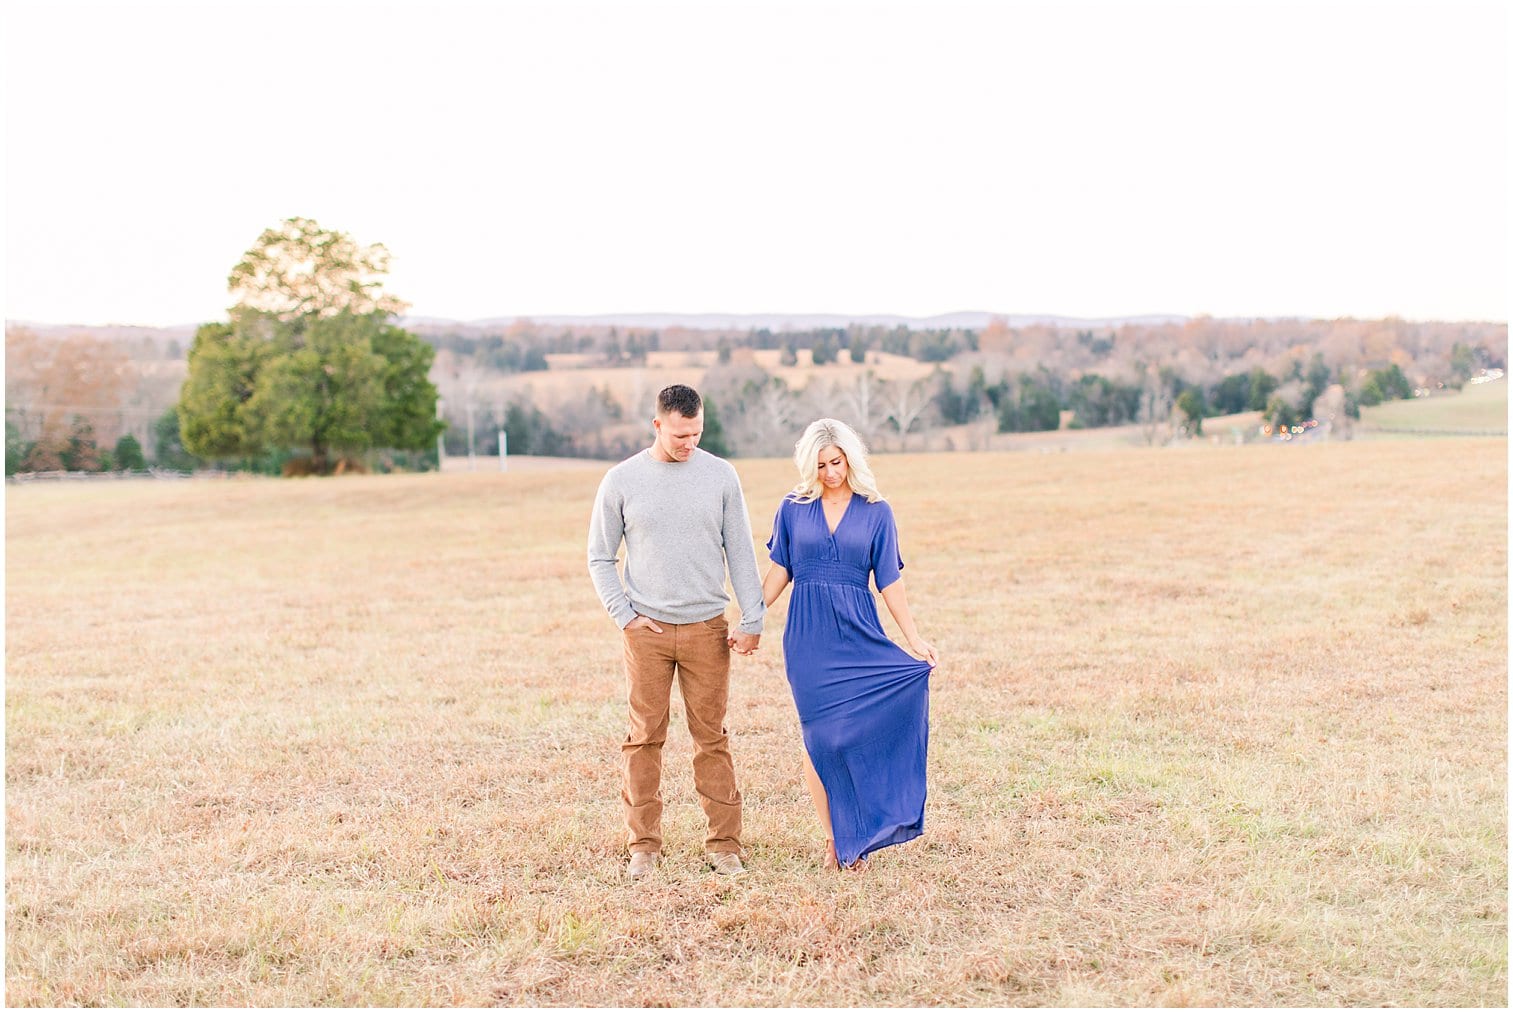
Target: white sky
1085, 159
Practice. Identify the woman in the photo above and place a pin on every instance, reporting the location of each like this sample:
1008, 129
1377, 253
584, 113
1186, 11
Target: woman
863, 702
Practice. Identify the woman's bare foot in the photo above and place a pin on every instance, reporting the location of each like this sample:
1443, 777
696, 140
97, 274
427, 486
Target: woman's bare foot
831, 861
860, 865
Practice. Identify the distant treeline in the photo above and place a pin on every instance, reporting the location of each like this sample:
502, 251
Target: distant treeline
1169, 377
1213, 343
758, 415
85, 403
523, 348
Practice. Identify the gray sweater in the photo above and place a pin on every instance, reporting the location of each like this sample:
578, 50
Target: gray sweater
681, 523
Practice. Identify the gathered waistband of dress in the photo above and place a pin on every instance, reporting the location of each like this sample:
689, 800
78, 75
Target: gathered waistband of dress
830, 571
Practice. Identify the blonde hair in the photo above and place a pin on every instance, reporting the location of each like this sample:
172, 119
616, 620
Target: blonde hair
824, 433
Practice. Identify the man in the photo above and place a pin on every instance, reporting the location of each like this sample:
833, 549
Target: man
682, 516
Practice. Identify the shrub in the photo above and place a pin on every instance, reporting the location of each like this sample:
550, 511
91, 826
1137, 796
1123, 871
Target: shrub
128, 454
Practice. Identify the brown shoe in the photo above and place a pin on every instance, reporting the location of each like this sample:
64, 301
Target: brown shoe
642, 864
727, 863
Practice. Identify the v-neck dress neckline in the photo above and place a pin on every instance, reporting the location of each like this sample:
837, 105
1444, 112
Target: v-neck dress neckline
826, 521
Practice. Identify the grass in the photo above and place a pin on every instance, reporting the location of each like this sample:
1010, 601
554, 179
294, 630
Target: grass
1219, 727
1480, 408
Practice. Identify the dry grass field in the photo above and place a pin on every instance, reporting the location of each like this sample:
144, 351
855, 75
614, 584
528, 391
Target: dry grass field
1218, 726
1477, 407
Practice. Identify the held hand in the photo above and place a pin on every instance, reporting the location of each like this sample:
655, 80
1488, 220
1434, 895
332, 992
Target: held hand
925, 650
643, 623
744, 643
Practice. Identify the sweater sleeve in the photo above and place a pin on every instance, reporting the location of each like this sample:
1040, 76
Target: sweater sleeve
740, 557
606, 530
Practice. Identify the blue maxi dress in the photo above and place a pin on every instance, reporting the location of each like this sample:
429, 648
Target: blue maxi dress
863, 701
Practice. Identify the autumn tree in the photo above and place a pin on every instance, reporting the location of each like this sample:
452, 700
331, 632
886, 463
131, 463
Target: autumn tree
61, 397
309, 357
81, 451
996, 338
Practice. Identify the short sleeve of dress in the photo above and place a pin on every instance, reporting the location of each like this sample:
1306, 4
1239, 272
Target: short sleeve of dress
886, 561
778, 544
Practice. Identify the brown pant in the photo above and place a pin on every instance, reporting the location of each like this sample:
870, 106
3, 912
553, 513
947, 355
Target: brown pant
699, 654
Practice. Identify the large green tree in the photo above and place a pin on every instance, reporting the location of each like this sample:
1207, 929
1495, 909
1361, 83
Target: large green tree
309, 358
300, 270
224, 368
168, 445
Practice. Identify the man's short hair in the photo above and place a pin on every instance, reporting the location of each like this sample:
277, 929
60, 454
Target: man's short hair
681, 399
